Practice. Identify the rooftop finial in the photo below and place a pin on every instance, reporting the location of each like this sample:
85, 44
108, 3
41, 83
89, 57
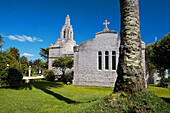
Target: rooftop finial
105, 23
155, 39
67, 22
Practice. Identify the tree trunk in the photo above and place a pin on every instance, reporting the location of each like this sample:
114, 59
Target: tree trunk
130, 71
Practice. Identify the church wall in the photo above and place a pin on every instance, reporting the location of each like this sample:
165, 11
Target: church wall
68, 47
86, 61
50, 62
143, 62
54, 52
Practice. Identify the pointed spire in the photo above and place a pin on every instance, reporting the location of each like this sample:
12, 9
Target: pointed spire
155, 39
67, 22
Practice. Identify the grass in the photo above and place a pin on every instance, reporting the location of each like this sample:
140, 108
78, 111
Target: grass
57, 97
160, 91
33, 75
164, 93
49, 97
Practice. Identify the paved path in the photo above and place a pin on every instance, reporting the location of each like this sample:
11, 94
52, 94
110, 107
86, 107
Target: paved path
26, 78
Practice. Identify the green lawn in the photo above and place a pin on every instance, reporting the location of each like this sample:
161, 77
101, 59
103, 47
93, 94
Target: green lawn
49, 97
161, 92
164, 93
55, 97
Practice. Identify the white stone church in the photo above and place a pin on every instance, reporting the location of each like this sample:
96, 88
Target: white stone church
95, 61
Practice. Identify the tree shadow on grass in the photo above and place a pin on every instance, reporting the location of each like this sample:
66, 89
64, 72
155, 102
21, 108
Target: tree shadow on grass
18, 87
166, 99
44, 86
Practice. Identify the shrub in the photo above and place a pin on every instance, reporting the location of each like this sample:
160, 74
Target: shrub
49, 75
11, 76
68, 77
3, 75
145, 102
164, 82
68, 83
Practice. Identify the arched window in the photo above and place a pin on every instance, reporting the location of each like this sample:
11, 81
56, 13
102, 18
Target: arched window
71, 35
113, 60
106, 60
100, 60
64, 33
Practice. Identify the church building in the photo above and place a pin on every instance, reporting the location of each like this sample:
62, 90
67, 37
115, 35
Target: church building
96, 60
64, 45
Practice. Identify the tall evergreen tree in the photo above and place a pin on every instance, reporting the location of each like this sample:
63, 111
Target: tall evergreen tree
1, 42
14, 52
130, 71
150, 67
161, 50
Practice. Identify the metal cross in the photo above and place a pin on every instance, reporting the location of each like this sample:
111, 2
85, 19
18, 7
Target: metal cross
106, 23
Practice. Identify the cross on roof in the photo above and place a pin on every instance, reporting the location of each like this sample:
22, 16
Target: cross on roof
106, 23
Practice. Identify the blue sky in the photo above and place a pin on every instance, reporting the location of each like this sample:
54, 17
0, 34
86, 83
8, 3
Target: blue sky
31, 24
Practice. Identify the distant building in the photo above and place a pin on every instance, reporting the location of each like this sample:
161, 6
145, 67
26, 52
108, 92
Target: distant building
155, 78
64, 45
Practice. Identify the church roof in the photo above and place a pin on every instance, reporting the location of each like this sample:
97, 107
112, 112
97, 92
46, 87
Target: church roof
107, 32
50, 45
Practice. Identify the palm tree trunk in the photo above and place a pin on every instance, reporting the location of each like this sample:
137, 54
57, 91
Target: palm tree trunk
130, 72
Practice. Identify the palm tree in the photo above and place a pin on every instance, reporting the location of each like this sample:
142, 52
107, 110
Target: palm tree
44, 53
15, 52
1, 42
38, 64
24, 60
130, 72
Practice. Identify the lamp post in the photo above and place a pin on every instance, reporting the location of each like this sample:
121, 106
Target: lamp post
29, 74
7, 66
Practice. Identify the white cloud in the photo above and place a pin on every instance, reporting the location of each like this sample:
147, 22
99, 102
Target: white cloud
40, 40
34, 38
28, 38
23, 38
26, 54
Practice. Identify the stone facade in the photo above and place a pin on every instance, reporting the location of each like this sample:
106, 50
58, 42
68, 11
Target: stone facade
143, 62
86, 60
64, 45
87, 70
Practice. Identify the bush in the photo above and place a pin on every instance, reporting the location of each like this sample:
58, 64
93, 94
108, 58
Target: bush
49, 75
11, 76
164, 82
3, 75
68, 83
145, 102
68, 77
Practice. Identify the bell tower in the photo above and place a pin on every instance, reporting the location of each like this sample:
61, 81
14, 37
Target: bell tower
66, 31
63, 46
